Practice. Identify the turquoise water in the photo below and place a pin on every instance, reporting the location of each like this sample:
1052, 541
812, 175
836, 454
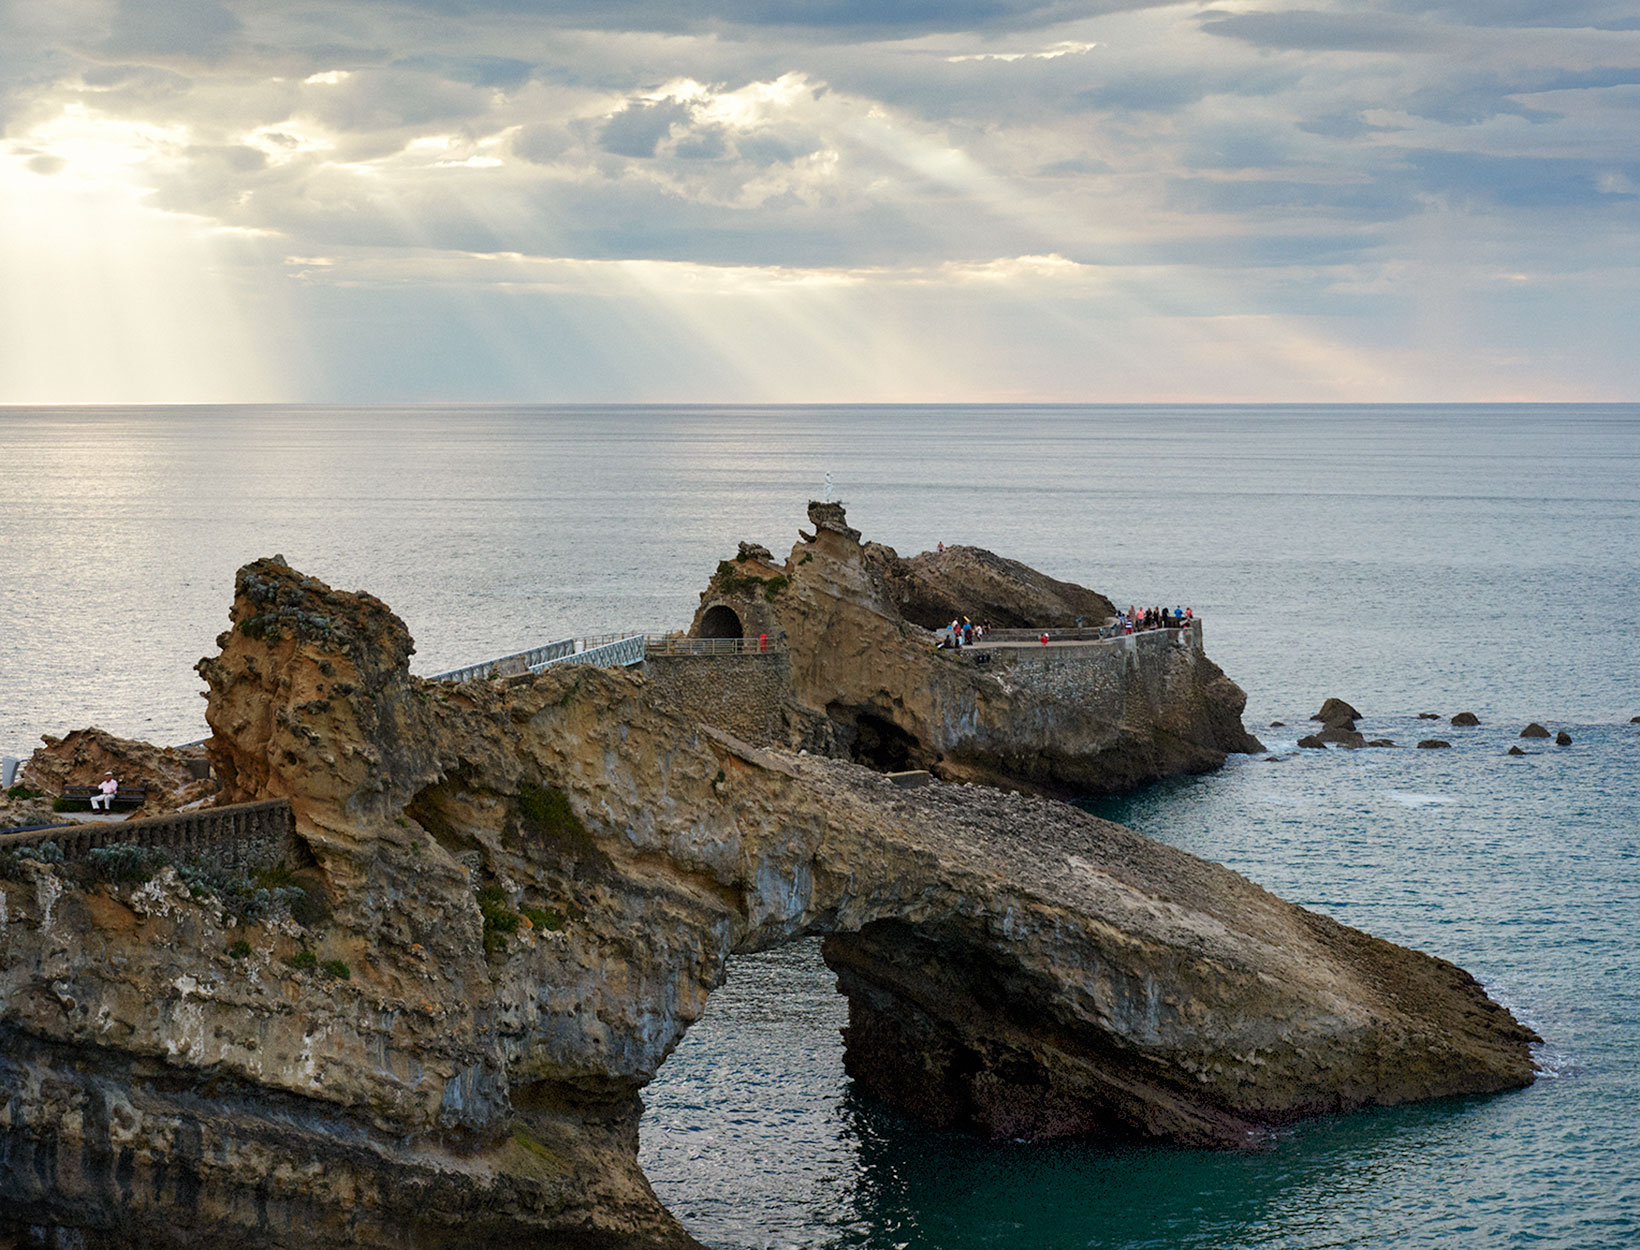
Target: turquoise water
1403, 558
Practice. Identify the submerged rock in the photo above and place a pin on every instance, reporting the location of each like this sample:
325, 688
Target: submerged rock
1515, 750
1434, 744
1466, 719
1429, 716
1381, 742
1313, 742
533, 887
1534, 730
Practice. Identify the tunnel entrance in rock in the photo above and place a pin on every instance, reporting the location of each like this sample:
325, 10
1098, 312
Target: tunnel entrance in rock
721, 621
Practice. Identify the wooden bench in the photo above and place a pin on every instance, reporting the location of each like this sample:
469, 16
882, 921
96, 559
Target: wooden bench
129, 795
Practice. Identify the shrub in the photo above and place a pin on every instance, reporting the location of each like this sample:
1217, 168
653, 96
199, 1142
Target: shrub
337, 969
239, 950
303, 960
499, 919
549, 811
545, 918
20, 791
126, 863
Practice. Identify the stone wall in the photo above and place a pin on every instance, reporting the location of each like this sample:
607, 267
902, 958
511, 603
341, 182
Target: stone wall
740, 694
241, 838
1102, 676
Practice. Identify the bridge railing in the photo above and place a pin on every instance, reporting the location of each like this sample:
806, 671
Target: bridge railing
512, 665
621, 652
677, 644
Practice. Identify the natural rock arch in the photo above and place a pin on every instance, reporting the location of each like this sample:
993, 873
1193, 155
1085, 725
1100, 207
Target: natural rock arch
520, 965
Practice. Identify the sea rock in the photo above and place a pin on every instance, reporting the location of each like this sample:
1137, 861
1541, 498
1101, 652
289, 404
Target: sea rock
535, 884
1534, 730
1466, 719
1342, 732
1434, 744
863, 680
1335, 710
1515, 751
1563, 739
1381, 742
933, 588
1634, 720
1313, 742
1278, 724
1429, 716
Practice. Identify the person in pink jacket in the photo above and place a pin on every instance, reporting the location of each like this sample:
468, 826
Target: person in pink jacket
109, 788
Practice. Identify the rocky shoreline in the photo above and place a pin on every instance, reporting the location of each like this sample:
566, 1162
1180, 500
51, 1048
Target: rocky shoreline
506, 901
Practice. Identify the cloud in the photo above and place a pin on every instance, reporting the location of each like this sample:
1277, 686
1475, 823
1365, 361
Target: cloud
1532, 182
640, 126
1315, 30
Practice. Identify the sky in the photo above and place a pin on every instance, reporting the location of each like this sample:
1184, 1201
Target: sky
748, 201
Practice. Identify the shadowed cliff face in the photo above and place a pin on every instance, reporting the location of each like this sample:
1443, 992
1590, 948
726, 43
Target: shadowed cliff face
534, 885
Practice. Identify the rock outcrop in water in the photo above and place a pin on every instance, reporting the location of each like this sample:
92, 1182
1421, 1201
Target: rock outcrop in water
866, 682
530, 888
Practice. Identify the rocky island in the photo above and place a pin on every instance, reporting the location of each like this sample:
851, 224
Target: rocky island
487, 910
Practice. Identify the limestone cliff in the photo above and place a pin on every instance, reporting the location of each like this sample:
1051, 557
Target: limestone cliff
867, 683
531, 886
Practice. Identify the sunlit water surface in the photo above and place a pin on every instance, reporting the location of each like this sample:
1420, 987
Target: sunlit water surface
1405, 559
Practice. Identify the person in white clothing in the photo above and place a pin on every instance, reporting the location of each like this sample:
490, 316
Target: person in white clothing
109, 788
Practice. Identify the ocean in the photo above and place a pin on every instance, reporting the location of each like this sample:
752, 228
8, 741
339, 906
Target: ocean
1407, 559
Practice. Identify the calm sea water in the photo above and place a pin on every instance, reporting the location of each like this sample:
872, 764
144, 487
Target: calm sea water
1403, 558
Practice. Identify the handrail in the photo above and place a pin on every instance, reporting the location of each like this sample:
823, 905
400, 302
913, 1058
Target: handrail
510, 665
678, 644
622, 652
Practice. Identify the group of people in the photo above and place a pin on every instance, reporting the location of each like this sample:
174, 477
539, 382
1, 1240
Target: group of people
1154, 618
962, 632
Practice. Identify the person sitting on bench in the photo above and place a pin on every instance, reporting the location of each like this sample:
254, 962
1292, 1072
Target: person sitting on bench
109, 788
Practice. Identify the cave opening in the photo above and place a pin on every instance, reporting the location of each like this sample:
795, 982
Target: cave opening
721, 621
880, 744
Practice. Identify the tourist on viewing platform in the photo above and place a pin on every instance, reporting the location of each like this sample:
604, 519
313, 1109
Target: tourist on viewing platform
109, 787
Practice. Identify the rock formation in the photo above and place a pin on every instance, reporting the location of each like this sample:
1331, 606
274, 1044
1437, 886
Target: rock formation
529, 889
934, 588
1563, 739
1465, 720
171, 775
1534, 730
866, 682
1434, 744
1334, 710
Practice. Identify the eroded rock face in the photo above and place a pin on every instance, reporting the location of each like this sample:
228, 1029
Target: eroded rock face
533, 886
867, 683
934, 588
171, 776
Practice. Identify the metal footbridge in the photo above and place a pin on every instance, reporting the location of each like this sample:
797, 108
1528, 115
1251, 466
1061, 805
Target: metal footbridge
622, 650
